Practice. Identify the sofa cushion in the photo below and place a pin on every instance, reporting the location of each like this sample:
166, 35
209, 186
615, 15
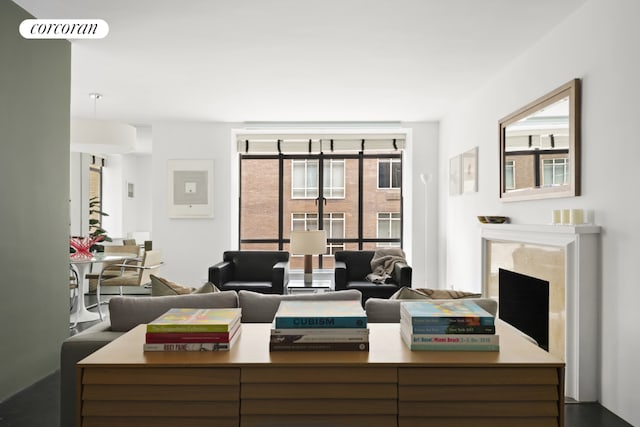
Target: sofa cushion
128, 312
206, 288
261, 308
447, 293
161, 286
408, 293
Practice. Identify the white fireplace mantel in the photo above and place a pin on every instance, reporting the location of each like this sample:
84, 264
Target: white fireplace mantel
582, 286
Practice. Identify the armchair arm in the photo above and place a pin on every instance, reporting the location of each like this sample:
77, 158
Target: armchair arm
221, 273
280, 277
137, 267
340, 275
402, 274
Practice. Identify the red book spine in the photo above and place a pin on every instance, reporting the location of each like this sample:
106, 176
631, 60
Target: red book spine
186, 337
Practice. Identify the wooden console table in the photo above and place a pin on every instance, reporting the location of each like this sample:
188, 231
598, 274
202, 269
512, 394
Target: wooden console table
120, 385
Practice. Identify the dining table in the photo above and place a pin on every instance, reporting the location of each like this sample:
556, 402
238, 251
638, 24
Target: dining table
83, 264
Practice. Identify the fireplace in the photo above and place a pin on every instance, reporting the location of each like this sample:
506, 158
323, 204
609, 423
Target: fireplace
523, 302
568, 259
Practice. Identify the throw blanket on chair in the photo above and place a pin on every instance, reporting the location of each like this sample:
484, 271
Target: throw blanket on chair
383, 262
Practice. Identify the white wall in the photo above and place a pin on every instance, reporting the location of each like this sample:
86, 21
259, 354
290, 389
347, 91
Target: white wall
598, 44
190, 246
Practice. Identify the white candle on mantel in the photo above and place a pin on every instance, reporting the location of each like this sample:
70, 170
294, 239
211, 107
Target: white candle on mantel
577, 216
566, 216
556, 216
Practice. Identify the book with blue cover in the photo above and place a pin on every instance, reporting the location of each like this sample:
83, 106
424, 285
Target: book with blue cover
320, 314
445, 312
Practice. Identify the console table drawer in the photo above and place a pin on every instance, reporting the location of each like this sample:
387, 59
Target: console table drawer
319, 396
479, 397
126, 397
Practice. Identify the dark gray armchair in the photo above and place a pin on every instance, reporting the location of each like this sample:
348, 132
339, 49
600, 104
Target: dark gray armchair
352, 268
266, 272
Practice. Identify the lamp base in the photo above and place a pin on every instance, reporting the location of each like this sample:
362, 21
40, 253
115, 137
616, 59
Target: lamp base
308, 270
308, 279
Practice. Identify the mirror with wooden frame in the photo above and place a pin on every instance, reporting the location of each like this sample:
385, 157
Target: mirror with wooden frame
540, 147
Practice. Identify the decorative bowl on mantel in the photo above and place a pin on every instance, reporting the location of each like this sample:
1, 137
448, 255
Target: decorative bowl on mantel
492, 219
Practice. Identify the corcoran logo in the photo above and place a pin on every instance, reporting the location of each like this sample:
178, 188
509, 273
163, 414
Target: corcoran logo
64, 28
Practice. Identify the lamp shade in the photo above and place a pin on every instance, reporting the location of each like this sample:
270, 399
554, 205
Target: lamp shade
308, 242
101, 136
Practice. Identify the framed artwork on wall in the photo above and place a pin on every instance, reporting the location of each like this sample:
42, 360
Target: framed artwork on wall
455, 183
190, 188
470, 170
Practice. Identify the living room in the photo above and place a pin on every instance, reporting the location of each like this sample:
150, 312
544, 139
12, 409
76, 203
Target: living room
594, 42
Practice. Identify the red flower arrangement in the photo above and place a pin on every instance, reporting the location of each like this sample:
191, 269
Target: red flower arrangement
82, 245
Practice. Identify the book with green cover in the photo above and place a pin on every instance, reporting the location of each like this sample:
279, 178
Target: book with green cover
445, 312
320, 314
196, 320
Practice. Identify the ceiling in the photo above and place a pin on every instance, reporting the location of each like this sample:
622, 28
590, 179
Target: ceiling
293, 60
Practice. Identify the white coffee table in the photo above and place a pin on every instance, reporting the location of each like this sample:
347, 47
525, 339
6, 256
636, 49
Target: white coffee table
316, 287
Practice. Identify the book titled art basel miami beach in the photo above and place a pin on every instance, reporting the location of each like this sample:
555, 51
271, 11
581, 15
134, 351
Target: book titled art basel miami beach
448, 342
320, 314
196, 320
445, 312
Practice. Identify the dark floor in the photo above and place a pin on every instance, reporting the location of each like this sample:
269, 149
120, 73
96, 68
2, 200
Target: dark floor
38, 406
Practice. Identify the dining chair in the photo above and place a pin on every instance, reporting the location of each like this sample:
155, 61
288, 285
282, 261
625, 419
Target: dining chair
111, 249
130, 273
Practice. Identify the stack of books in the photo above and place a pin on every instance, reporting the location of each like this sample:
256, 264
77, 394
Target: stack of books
453, 325
194, 329
319, 326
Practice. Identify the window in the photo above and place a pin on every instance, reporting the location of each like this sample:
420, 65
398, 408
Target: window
555, 172
304, 221
304, 182
304, 179
277, 196
509, 175
389, 173
95, 197
333, 179
388, 228
333, 224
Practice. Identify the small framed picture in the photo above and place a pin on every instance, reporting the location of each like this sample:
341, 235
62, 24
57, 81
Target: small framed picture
455, 183
190, 188
470, 170
130, 189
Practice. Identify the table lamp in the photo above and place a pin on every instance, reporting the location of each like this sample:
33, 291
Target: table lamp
308, 243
